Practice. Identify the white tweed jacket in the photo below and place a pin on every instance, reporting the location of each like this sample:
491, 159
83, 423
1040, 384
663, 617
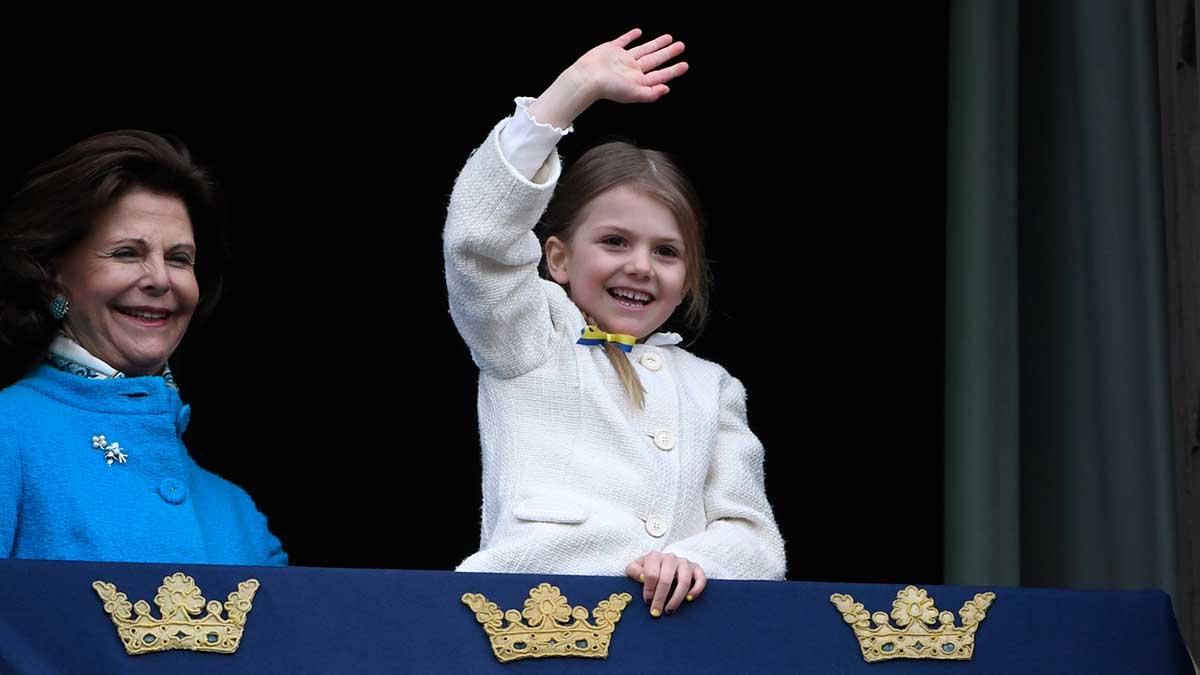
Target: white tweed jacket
575, 479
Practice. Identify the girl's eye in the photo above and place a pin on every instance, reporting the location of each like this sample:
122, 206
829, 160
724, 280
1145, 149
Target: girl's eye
613, 241
668, 251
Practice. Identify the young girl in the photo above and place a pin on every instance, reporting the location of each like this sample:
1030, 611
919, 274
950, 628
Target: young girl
607, 448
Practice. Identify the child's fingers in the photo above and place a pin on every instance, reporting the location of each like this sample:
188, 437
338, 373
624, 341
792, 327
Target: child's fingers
651, 565
625, 39
699, 582
651, 94
634, 569
666, 74
666, 577
656, 59
683, 584
651, 46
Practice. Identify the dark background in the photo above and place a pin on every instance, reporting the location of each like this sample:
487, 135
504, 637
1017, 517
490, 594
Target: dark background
332, 385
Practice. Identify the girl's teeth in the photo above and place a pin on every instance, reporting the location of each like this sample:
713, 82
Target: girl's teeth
632, 295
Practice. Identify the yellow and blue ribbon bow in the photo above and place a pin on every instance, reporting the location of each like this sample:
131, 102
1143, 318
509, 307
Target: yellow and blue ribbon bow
594, 336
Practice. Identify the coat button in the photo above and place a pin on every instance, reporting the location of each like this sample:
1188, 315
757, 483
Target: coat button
664, 440
656, 526
653, 362
172, 491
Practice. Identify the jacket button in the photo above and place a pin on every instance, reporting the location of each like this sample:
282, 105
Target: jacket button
653, 362
172, 491
664, 440
656, 526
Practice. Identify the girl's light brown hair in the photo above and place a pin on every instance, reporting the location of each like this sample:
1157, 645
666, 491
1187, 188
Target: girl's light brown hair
621, 164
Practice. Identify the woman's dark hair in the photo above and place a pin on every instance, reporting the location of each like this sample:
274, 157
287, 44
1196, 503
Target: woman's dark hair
54, 209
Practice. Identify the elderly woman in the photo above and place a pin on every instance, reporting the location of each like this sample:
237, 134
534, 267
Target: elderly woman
107, 251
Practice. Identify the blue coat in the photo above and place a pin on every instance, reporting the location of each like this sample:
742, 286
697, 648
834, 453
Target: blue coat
61, 499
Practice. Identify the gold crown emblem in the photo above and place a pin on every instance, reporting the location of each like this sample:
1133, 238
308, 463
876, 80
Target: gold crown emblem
554, 628
178, 601
918, 636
